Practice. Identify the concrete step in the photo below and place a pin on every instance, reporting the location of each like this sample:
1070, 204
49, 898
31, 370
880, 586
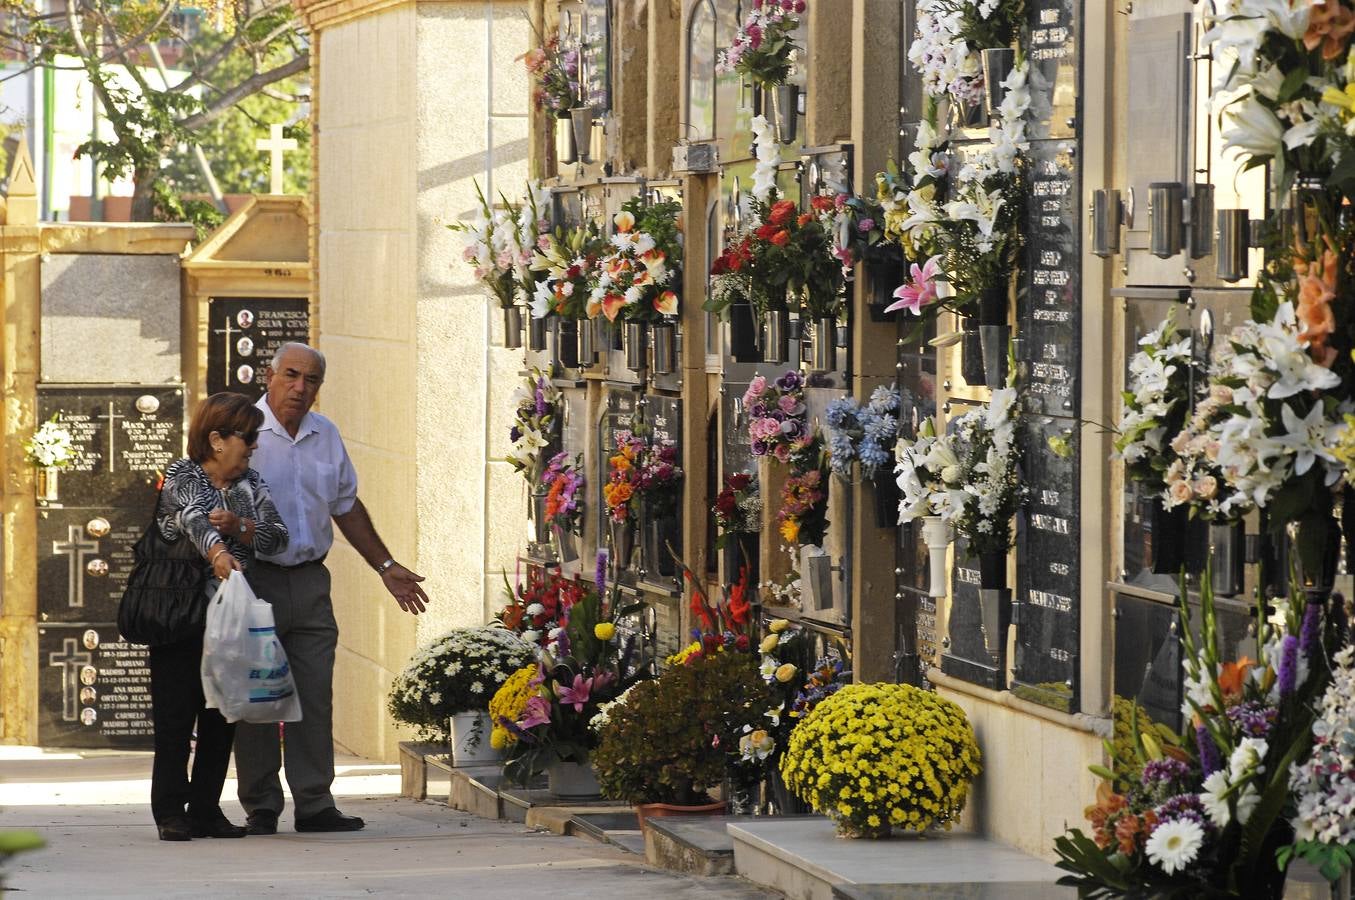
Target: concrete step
805, 859
696, 845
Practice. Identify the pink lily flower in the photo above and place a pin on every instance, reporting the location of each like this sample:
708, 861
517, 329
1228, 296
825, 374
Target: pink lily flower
538, 712
920, 291
576, 695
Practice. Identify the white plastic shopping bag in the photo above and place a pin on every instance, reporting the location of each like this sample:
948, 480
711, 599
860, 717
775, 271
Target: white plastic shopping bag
244, 669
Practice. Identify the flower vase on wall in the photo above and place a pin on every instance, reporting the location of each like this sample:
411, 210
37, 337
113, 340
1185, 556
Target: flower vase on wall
823, 342
536, 334
635, 335
512, 327
541, 536
470, 740
785, 111
663, 338
573, 781
993, 571
997, 63
971, 352
566, 544
936, 535
775, 335
1317, 545
741, 550
623, 544
48, 483
884, 272
1227, 557
665, 530
566, 152
1168, 531
586, 341
581, 120
567, 343
993, 336
743, 333
887, 497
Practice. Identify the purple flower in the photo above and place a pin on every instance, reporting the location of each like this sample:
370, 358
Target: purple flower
575, 695
790, 380
514, 434
1210, 762
1289, 665
1183, 808
1164, 770
792, 428
759, 448
540, 401
538, 712
865, 225
600, 572
1310, 634
1253, 719
758, 411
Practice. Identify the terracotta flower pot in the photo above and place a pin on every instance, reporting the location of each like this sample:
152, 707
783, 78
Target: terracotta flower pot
646, 811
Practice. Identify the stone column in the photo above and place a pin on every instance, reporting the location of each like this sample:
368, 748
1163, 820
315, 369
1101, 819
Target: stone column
413, 103
663, 126
828, 104
874, 105
19, 316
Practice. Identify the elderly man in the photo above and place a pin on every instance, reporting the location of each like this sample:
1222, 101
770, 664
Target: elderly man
302, 459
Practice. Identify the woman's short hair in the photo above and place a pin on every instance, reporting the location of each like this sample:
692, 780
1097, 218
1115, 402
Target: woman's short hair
225, 413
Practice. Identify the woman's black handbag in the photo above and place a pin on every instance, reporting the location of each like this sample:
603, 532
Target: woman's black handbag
165, 599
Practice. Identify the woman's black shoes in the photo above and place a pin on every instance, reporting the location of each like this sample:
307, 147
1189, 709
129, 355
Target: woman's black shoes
217, 828
175, 828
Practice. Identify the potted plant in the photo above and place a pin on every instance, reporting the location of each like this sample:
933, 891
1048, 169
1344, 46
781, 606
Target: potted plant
873, 757
445, 690
665, 746
587, 667
48, 451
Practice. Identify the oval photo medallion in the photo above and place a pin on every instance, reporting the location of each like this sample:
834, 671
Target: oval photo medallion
147, 404
97, 568
98, 527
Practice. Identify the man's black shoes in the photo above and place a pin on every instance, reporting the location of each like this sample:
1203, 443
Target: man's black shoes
175, 828
329, 820
262, 821
218, 828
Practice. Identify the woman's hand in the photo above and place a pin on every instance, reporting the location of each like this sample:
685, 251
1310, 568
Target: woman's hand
225, 522
223, 564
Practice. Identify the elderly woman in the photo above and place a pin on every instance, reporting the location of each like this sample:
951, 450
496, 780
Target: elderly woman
216, 501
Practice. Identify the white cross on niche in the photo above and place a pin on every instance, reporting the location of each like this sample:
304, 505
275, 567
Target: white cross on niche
77, 550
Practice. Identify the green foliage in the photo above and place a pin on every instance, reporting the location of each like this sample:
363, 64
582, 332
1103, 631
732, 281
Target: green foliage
669, 740
12, 842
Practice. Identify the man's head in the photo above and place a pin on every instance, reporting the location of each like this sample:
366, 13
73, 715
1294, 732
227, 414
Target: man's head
294, 382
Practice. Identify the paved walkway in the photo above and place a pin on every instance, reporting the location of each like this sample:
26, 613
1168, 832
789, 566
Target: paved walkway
93, 811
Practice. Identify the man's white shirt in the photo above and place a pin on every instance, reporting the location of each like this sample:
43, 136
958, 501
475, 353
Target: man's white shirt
311, 479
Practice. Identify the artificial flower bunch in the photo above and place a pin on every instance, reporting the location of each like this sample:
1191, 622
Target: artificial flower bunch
990, 473
862, 432
563, 481
586, 667
796, 683
803, 516
508, 704
536, 609
1158, 395
873, 757
493, 248
929, 475
459, 672
950, 34
764, 48
554, 68
51, 446
855, 224
726, 625
636, 279
1301, 123
1263, 436
567, 258
536, 425
623, 478
737, 508
658, 477
778, 420
1206, 816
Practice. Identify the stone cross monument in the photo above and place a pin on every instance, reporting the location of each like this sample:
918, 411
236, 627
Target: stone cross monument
275, 144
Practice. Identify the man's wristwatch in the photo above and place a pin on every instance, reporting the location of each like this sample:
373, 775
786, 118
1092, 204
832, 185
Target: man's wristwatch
381, 569
243, 528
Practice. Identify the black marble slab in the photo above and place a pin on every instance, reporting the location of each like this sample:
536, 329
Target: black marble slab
1053, 49
84, 558
243, 333
1052, 320
93, 689
125, 436
1147, 666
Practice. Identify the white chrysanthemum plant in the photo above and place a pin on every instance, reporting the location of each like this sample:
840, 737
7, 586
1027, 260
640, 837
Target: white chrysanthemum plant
929, 478
50, 447
457, 673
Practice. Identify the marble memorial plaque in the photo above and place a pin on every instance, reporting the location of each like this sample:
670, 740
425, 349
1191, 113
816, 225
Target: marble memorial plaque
1148, 658
93, 689
243, 333
84, 558
967, 656
1054, 28
125, 436
110, 318
1053, 348
1048, 569
574, 420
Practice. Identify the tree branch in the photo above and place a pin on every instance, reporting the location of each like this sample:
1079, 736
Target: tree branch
251, 85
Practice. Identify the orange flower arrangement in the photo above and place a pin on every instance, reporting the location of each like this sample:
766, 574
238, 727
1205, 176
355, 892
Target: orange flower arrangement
621, 478
1113, 823
1317, 290
1330, 26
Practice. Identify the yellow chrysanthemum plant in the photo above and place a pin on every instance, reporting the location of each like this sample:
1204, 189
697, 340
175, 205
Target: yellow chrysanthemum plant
508, 705
873, 757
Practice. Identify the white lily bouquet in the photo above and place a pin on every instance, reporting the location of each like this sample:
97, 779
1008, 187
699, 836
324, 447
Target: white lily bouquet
50, 447
991, 476
1265, 434
929, 478
1157, 403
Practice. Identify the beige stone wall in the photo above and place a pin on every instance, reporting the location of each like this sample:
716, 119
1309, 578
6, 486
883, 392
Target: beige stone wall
1035, 783
413, 102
